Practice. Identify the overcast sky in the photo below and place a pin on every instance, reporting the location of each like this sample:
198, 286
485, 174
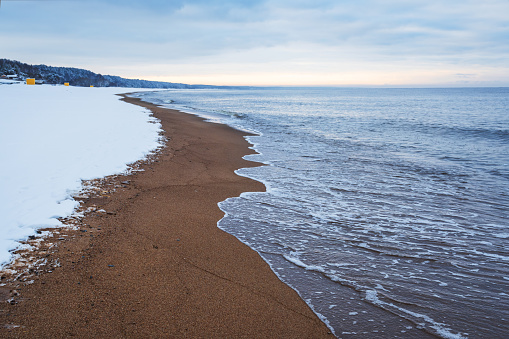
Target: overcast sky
272, 42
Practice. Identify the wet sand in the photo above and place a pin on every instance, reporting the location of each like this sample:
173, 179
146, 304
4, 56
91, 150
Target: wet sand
148, 260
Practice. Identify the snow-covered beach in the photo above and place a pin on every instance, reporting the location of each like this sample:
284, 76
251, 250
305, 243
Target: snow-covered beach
52, 138
148, 259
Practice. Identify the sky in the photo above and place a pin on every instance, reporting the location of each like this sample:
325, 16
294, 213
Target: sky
267, 42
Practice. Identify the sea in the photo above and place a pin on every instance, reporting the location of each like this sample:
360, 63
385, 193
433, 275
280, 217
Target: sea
387, 209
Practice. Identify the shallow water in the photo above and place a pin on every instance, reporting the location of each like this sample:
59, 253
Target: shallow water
386, 209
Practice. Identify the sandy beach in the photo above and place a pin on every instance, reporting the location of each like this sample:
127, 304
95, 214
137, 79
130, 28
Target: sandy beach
148, 260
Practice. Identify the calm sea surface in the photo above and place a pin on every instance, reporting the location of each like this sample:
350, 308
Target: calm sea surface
386, 209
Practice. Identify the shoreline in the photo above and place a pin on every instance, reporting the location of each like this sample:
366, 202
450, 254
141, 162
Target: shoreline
149, 260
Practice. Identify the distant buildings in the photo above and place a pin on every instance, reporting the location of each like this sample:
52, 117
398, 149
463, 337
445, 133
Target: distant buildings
16, 77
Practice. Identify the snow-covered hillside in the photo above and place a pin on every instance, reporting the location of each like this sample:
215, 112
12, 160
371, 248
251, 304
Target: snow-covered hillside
52, 137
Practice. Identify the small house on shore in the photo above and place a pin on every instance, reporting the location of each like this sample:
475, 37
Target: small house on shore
33, 81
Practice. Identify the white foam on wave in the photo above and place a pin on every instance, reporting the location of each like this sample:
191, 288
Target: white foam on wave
295, 261
372, 296
299, 263
441, 329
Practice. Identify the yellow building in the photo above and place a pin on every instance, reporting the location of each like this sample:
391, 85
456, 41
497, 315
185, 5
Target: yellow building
30, 81
66, 84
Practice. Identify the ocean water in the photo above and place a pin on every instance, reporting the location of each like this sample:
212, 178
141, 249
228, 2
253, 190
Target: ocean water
386, 209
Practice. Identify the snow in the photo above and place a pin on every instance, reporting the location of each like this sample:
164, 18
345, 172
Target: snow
51, 138
7, 81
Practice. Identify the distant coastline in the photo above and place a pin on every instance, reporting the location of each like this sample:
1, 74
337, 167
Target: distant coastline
16, 70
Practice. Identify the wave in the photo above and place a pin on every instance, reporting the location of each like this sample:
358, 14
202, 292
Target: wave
392, 196
372, 296
494, 133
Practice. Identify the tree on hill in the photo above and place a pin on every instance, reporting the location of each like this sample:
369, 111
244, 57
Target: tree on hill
78, 77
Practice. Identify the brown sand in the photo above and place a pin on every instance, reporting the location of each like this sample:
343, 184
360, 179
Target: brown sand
156, 265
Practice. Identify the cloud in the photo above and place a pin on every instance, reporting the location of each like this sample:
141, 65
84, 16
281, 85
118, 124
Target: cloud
463, 75
266, 35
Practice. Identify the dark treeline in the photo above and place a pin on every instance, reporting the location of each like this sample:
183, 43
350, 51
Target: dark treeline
80, 77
